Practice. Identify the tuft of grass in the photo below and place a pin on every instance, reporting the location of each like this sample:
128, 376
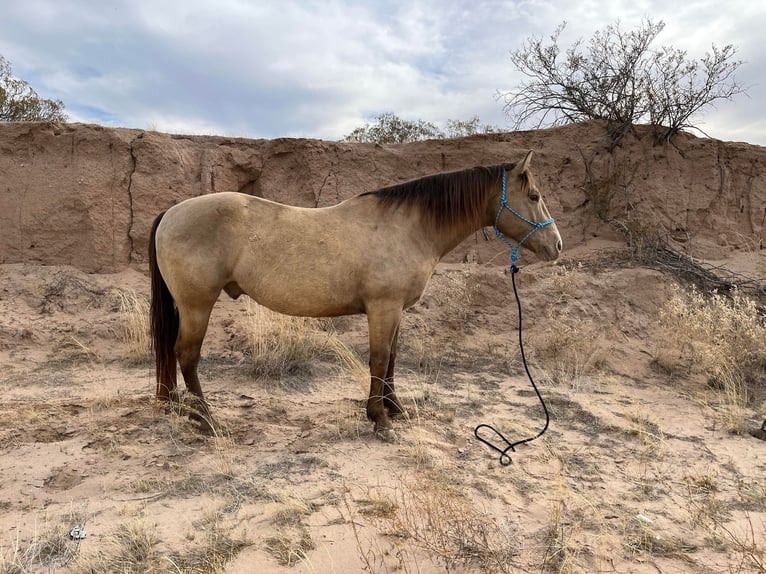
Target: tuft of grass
288, 549
560, 553
72, 349
438, 517
721, 339
218, 547
291, 541
128, 548
571, 350
49, 548
284, 346
134, 315
643, 536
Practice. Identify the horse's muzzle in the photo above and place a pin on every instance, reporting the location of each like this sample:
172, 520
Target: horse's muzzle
553, 252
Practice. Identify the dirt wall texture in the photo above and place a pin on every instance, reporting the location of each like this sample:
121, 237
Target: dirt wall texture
86, 195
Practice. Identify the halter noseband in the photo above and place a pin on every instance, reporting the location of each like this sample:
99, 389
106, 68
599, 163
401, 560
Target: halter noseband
536, 225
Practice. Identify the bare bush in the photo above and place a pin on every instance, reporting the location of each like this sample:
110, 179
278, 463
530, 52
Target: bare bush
617, 76
721, 338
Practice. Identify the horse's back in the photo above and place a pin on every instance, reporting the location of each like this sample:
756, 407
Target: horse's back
299, 261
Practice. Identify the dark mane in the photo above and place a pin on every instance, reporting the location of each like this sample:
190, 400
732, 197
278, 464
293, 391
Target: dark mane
446, 199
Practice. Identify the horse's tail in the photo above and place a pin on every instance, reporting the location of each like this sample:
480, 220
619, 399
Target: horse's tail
164, 323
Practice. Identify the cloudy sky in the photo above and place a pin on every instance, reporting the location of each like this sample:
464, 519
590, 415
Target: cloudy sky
320, 68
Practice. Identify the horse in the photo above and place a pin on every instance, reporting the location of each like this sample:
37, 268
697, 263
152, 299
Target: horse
371, 254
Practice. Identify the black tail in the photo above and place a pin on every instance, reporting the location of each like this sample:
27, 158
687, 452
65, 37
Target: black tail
164, 323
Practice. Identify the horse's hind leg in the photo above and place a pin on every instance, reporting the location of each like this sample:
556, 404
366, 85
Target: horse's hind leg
390, 400
192, 329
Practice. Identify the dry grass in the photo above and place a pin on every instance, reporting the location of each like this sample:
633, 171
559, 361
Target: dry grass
50, 547
292, 540
720, 338
134, 315
128, 548
432, 513
219, 546
454, 295
285, 347
571, 349
643, 536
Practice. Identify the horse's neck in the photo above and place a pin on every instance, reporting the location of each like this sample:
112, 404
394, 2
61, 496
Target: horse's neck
433, 242
446, 240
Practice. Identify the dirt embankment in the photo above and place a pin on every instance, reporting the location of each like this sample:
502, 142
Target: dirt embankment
86, 195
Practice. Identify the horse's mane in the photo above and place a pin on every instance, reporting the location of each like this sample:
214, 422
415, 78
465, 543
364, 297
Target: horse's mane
446, 199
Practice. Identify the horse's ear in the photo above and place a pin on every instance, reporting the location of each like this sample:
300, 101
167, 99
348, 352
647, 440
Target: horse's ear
522, 166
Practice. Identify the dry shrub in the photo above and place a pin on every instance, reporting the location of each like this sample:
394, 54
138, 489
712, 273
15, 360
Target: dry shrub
50, 548
721, 338
570, 349
292, 541
128, 548
566, 281
218, 547
134, 313
285, 345
434, 514
454, 295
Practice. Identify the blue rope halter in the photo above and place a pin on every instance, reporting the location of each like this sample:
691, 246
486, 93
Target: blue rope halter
505, 458
536, 225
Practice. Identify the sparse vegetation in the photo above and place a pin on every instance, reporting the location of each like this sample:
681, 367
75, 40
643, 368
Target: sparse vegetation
390, 128
721, 339
436, 515
296, 480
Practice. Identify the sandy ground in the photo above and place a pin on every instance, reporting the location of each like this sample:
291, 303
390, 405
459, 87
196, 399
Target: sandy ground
637, 472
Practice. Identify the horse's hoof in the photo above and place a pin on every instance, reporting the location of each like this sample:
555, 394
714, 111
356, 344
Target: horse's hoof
207, 424
386, 434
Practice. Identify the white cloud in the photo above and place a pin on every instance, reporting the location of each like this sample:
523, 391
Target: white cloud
319, 69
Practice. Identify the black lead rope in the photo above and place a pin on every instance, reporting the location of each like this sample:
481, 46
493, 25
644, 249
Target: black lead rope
505, 458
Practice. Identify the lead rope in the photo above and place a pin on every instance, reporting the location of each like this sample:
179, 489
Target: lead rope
505, 458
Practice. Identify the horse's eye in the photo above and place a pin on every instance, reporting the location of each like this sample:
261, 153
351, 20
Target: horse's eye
534, 197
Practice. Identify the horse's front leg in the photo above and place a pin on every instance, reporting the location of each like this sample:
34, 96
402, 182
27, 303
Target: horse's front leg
390, 400
382, 322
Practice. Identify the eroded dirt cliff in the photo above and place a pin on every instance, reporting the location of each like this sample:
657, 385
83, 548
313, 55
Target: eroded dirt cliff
86, 195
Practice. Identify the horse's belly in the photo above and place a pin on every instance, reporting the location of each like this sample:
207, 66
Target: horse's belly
317, 301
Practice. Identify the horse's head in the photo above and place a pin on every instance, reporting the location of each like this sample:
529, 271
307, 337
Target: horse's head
520, 217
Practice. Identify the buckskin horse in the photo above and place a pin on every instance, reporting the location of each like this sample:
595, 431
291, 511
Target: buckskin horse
373, 253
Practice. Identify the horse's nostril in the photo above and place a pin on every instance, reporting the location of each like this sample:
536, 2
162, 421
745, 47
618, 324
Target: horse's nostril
559, 246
